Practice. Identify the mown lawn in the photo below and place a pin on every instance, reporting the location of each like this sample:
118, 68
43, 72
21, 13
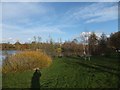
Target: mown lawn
70, 72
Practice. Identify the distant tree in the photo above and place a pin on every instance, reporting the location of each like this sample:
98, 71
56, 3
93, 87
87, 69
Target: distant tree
93, 41
35, 39
34, 43
18, 45
115, 40
38, 46
39, 39
102, 44
66, 47
59, 50
85, 41
51, 47
75, 40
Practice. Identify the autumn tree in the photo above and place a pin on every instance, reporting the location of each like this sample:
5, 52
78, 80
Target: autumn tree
18, 45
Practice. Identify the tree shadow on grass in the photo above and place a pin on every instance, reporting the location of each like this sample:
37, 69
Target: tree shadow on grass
100, 67
35, 81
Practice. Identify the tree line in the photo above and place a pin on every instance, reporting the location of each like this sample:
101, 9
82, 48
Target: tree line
94, 45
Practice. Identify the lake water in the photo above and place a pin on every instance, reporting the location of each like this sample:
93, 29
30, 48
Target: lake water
7, 52
4, 53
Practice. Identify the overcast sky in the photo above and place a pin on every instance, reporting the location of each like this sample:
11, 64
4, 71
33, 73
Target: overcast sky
23, 20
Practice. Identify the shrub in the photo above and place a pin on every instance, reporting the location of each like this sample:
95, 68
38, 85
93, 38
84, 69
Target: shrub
27, 60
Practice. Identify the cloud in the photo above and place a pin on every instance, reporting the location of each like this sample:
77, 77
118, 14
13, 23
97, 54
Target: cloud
107, 14
23, 12
10, 39
39, 29
22, 9
0, 12
25, 20
13, 33
94, 13
48, 30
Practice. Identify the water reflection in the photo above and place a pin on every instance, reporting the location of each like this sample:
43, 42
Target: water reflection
5, 53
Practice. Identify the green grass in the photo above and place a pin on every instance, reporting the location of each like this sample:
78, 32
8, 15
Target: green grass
70, 72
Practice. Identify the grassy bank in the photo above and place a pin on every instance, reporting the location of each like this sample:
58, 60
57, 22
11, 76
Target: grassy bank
70, 72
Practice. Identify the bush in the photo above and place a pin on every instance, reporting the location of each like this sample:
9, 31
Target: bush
27, 60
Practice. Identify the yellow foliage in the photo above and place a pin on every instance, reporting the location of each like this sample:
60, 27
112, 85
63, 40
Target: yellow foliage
59, 50
27, 60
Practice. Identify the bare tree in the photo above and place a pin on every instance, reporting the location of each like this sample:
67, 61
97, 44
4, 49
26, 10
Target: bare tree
84, 36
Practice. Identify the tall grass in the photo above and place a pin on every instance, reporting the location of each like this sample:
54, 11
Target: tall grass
27, 60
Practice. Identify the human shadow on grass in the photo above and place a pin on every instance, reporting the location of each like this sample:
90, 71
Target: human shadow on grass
35, 81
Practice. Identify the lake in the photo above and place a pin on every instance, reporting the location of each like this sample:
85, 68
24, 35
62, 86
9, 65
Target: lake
4, 53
